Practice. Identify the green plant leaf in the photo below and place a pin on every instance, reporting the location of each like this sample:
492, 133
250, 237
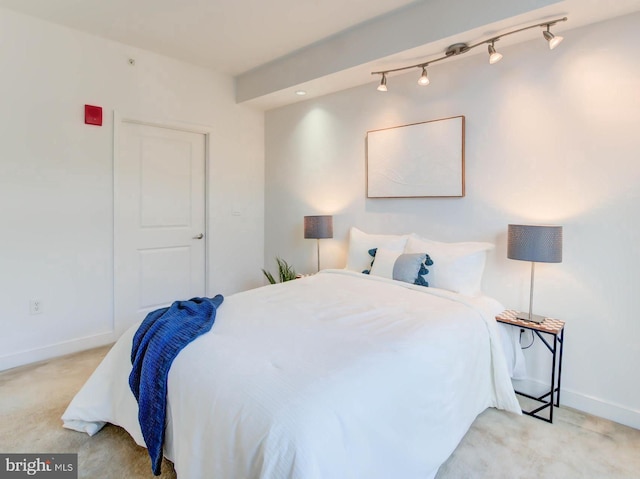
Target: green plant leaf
286, 272
269, 276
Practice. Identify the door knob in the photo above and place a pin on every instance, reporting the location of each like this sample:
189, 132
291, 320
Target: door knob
200, 236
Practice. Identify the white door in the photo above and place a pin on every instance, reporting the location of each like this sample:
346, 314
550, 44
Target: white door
159, 219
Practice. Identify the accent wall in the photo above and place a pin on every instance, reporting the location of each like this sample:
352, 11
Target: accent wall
552, 137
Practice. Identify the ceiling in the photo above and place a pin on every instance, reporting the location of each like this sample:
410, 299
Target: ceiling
319, 45
231, 36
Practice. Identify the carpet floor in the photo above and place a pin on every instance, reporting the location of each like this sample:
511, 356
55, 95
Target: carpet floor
498, 445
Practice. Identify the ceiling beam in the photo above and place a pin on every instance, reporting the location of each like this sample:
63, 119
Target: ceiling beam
409, 27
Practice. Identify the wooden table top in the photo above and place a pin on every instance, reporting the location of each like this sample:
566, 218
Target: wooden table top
549, 325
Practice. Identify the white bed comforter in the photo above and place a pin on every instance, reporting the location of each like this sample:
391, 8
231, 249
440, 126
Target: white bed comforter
337, 375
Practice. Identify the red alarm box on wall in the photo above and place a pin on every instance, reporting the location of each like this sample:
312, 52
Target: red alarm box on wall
93, 115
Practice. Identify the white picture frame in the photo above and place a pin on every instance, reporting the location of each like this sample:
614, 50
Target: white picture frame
417, 160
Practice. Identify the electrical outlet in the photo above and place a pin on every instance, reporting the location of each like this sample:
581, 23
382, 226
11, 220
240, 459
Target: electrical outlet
35, 306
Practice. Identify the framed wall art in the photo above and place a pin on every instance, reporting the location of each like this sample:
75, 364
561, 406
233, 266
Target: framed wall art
418, 160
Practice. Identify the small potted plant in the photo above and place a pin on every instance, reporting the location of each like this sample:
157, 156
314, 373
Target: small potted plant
285, 272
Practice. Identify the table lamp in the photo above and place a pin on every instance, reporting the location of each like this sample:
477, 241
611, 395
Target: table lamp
318, 227
538, 244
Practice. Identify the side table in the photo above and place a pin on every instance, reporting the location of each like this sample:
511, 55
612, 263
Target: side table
553, 329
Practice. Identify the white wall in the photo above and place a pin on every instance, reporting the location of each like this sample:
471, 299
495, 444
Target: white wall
551, 137
56, 178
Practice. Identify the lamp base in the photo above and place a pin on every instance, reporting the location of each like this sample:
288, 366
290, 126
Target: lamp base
535, 318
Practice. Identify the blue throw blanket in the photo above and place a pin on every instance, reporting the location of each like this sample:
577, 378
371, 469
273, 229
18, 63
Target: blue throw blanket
159, 339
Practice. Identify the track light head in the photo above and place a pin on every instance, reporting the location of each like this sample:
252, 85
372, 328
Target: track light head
424, 79
554, 40
494, 56
383, 83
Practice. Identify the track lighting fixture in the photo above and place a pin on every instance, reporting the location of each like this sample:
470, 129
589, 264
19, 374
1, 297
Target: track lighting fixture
494, 56
458, 48
383, 83
424, 79
554, 40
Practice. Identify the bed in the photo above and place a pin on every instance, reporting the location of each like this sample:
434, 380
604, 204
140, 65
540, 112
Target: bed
338, 374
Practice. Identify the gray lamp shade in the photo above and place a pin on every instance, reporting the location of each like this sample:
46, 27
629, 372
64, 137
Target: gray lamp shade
540, 244
318, 227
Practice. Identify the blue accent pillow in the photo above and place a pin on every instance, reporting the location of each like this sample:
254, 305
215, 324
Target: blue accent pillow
412, 268
409, 268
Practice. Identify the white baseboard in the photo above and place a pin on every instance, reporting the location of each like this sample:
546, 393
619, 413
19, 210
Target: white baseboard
54, 350
597, 407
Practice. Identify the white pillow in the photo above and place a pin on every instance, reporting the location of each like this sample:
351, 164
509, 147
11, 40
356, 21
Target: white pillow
456, 267
360, 243
384, 262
